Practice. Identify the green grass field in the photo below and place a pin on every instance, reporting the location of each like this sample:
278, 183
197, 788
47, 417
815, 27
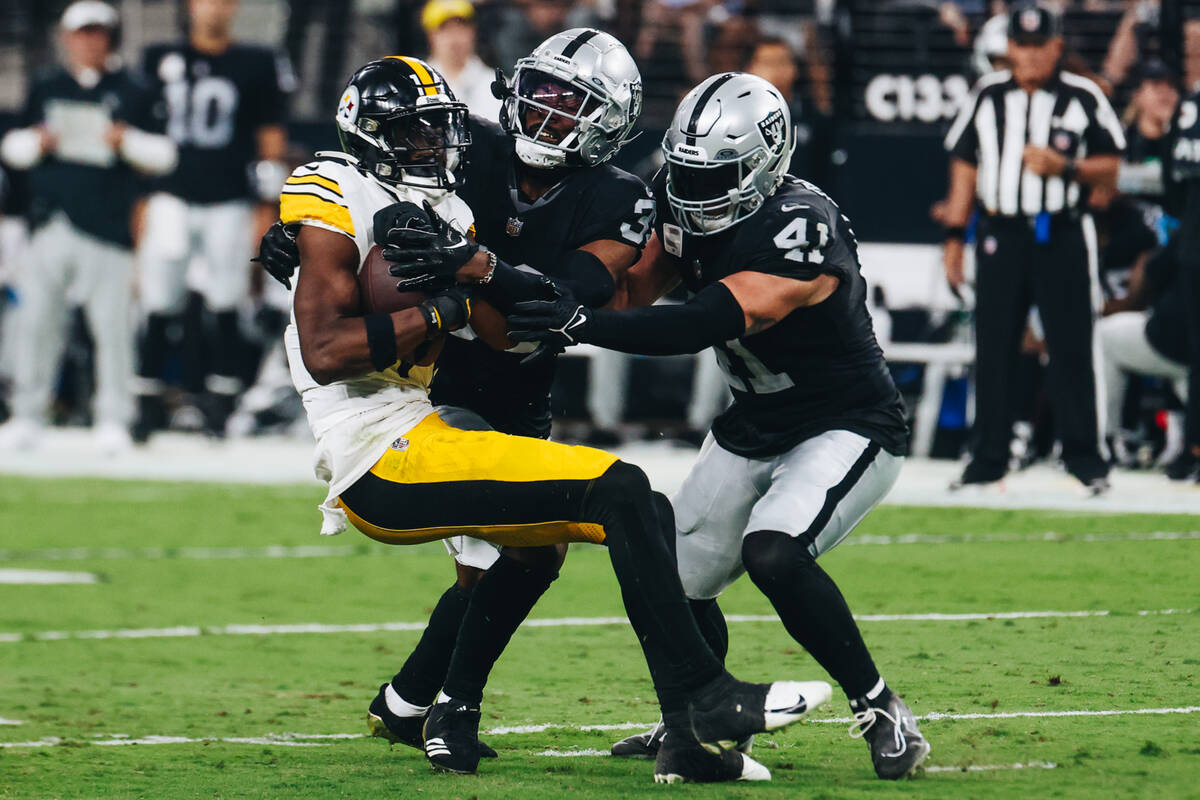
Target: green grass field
285, 696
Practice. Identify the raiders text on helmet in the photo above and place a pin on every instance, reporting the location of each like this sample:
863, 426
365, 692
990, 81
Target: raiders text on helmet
400, 120
573, 101
727, 150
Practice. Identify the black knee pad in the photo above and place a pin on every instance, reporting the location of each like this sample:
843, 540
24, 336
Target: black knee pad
621, 484
772, 555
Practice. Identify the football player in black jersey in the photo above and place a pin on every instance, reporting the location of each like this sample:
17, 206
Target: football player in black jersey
224, 104
546, 203
816, 433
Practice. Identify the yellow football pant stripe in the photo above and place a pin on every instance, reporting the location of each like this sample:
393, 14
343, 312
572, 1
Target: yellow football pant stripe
528, 535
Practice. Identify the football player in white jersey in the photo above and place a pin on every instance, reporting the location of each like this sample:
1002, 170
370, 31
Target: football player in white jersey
401, 475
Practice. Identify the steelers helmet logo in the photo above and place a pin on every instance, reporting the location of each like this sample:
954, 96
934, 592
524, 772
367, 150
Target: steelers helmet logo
1030, 20
347, 111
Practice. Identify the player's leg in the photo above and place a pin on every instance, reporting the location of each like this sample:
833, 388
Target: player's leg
529, 492
105, 277
711, 510
819, 491
226, 247
1067, 293
41, 318
162, 258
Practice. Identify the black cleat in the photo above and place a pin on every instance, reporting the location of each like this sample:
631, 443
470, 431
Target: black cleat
681, 759
897, 747
646, 744
978, 473
727, 711
452, 738
1184, 467
403, 730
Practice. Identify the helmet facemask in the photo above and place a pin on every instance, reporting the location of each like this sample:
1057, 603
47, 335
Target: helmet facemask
424, 148
553, 120
710, 196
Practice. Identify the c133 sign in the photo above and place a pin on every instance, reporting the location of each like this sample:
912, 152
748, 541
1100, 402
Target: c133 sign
915, 98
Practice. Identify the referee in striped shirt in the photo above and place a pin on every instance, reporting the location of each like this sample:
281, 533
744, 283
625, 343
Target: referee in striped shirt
1026, 148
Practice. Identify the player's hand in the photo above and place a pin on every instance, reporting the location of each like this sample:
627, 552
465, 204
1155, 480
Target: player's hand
426, 251
556, 323
1043, 161
278, 253
448, 310
952, 260
115, 134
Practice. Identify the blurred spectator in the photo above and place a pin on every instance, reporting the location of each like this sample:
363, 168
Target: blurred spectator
225, 105
1140, 18
683, 19
83, 134
524, 24
450, 28
772, 58
991, 46
1149, 117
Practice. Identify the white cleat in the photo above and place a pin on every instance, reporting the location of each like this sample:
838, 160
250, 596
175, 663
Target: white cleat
792, 701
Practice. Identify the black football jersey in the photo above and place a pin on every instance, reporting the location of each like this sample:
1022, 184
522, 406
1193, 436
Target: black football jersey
213, 106
589, 205
96, 198
819, 368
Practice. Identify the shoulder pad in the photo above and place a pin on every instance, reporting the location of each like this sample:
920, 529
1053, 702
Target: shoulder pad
314, 192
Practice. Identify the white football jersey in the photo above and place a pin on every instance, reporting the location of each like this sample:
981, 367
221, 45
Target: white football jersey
354, 421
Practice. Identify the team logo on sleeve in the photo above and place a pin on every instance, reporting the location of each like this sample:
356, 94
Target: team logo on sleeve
771, 128
348, 107
514, 226
673, 239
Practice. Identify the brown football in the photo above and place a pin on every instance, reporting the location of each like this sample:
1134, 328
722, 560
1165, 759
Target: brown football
377, 288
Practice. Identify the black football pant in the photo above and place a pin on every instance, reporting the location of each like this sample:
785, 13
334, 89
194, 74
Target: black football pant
1013, 272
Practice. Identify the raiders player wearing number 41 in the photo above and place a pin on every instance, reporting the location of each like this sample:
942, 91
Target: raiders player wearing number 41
816, 433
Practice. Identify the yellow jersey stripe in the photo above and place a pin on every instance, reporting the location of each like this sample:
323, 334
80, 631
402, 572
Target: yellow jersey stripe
299, 207
428, 83
318, 180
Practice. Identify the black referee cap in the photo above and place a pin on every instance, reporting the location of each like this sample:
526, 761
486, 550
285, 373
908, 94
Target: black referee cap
1032, 23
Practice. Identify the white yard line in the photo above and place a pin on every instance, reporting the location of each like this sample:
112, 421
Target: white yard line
188, 631
44, 577
992, 767
343, 551
324, 739
4, 721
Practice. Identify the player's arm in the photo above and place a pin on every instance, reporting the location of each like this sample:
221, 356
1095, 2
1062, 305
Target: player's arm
742, 304
336, 340
651, 278
960, 201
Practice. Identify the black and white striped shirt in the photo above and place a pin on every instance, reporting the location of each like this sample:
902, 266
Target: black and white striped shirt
1069, 114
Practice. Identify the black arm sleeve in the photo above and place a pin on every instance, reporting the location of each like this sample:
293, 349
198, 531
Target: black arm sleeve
582, 273
711, 317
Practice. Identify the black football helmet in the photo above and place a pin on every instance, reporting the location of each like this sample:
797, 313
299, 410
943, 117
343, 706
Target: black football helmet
400, 120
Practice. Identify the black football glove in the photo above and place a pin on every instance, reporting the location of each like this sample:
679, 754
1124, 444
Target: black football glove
278, 253
446, 311
425, 257
555, 323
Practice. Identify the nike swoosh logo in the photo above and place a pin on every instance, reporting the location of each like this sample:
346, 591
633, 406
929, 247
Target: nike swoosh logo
786, 207
580, 319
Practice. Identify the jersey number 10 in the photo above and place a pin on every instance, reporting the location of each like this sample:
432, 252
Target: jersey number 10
201, 113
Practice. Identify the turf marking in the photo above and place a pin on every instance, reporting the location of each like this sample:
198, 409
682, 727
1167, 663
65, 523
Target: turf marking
44, 577
187, 631
325, 739
340, 551
991, 767
4, 721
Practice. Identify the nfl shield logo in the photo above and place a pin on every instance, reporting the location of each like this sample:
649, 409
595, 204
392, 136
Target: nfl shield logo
513, 228
1062, 141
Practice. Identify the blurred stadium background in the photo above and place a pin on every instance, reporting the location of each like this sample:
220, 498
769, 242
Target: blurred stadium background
874, 86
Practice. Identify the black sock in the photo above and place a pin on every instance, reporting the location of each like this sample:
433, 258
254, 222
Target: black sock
424, 672
638, 530
227, 346
712, 626
502, 599
811, 607
152, 356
